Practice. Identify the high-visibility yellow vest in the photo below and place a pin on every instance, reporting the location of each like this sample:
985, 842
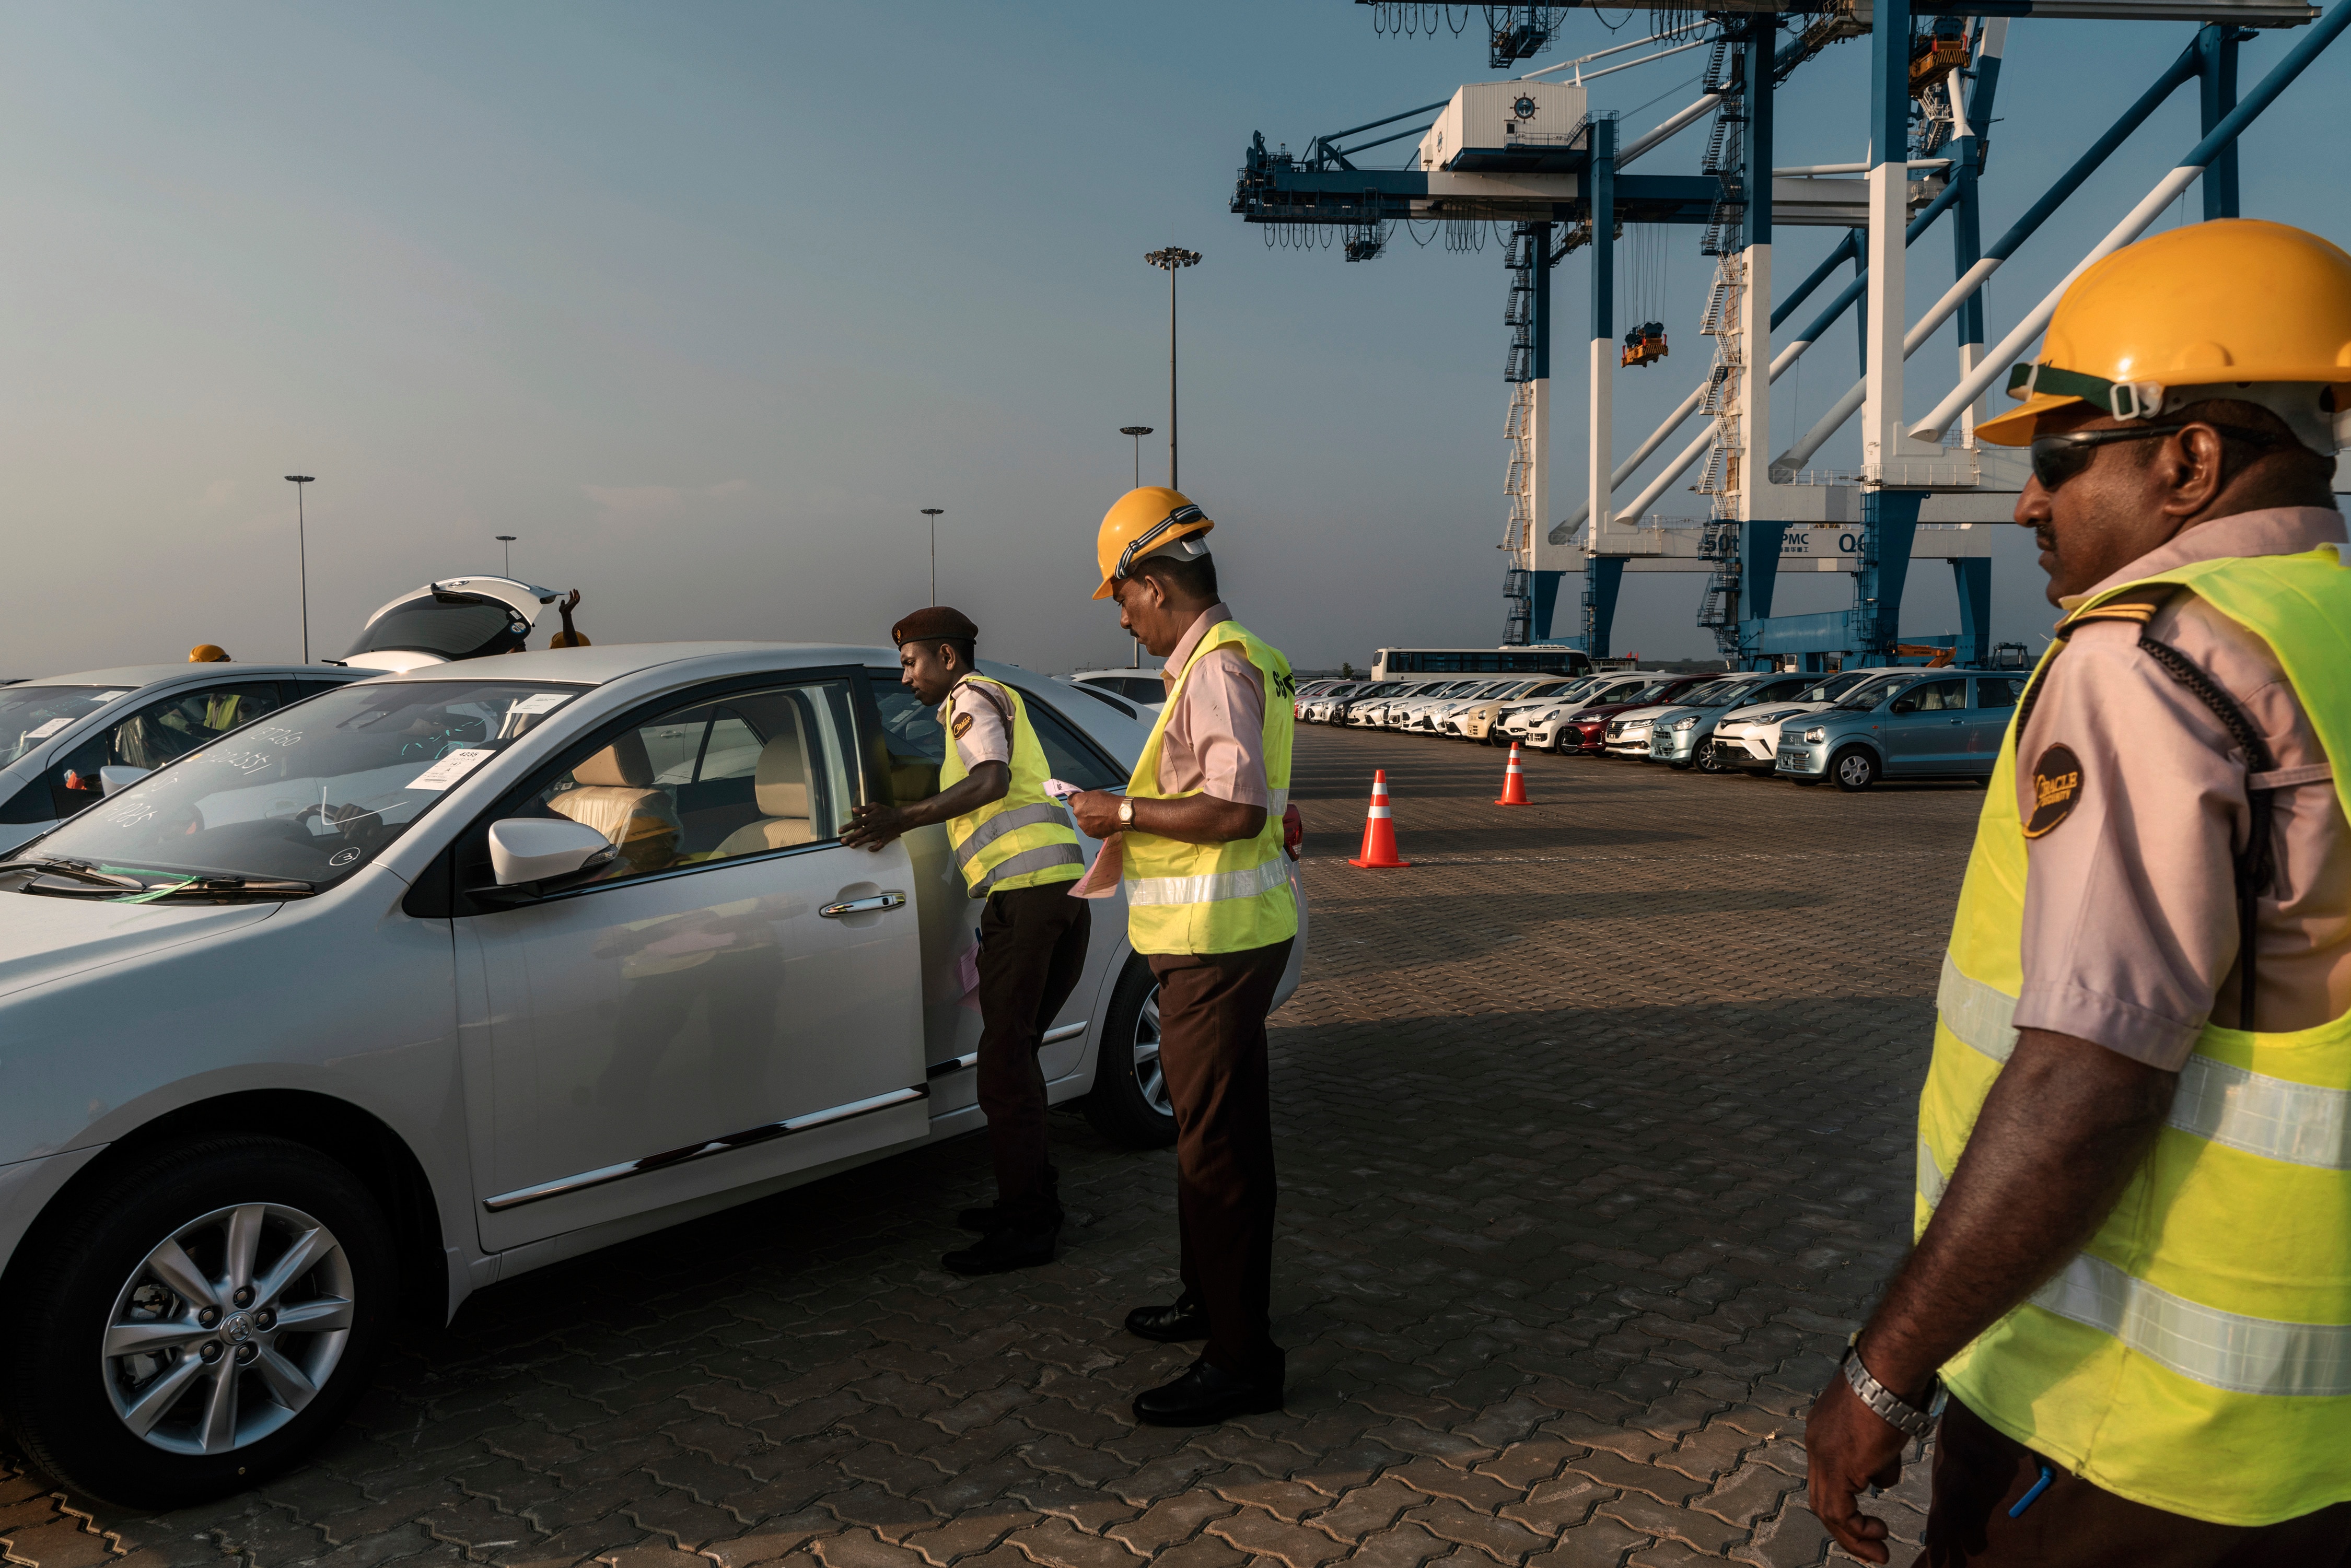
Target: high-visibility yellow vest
1023, 838
1215, 898
2196, 1355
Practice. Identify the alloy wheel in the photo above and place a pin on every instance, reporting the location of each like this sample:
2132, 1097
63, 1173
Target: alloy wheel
227, 1329
1149, 1076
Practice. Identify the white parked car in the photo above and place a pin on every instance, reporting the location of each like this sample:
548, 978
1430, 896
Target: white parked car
1144, 688
1747, 738
1411, 712
1324, 709
440, 976
66, 739
1542, 724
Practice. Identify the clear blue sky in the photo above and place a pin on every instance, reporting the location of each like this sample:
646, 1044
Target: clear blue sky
704, 300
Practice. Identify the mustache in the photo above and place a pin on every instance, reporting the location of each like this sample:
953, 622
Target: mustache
2046, 538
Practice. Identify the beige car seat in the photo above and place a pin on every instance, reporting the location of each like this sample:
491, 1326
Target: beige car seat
781, 788
614, 794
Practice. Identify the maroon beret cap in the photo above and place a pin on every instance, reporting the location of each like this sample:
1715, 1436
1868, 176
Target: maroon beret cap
935, 624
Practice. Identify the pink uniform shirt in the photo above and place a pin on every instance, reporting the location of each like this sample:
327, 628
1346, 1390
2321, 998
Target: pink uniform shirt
977, 721
2130, 913
1215, 740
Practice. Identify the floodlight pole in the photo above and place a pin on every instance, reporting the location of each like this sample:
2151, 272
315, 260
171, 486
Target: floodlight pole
302, 554
1170, 261
1138, 432
508, 541
932, 513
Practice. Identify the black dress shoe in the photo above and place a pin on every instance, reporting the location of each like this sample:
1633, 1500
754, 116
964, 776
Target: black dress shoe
1007, 1248
1186, 1320
987, 1221
1204, 1396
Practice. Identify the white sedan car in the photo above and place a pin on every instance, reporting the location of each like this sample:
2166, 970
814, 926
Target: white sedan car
443, 976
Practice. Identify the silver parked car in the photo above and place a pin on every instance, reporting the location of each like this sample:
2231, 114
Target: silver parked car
438, 977
64, 739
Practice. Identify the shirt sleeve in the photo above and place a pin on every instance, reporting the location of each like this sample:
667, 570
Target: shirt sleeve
1224, 704
2130, 900
981, 733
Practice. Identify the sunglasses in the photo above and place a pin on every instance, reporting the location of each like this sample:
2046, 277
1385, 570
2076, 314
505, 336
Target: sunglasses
2057, 458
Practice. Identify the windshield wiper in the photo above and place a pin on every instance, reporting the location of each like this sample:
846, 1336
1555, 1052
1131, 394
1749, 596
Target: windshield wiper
272, 886
78, 869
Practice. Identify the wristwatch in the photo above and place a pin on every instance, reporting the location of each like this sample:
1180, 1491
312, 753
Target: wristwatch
1883, 1402
1126, 811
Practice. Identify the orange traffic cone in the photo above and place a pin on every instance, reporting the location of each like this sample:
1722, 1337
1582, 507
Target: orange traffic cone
1514, 783
1379, 830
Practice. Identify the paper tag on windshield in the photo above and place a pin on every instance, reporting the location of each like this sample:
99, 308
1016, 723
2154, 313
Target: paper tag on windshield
42, 732
540, 702
109, 696
450, 768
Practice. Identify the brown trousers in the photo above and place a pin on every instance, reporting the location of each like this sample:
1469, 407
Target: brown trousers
1981, 1473
1032, 946
1212, 1008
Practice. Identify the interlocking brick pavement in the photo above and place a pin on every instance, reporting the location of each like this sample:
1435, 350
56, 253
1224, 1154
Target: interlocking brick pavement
1594, 1131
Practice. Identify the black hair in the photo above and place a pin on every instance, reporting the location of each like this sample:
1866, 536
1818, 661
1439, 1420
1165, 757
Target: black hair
963, 647
1194, 579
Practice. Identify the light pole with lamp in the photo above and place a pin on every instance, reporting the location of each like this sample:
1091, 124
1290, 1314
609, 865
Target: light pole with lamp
1170, 261
1138, 432
932, 513
508, 541
302, 553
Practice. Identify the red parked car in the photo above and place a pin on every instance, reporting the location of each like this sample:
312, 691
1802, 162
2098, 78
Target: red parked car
1586, 731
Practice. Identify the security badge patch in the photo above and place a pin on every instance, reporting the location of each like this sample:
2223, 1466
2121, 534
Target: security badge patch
2056, 790
961, 726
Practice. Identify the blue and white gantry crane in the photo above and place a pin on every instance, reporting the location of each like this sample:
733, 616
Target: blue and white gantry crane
1526, 153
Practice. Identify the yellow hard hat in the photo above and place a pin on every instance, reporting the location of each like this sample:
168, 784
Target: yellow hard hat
208, 654
2228, 309
1141, 522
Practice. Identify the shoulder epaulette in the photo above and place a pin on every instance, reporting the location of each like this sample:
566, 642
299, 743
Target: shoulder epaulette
2136, 605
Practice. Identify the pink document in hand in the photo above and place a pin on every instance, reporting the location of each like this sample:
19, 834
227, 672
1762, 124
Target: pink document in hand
1102, 877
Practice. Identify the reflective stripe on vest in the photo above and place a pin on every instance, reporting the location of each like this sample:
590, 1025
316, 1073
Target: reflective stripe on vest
1023, 838
1225, 897
2195, 1356
2226, 1350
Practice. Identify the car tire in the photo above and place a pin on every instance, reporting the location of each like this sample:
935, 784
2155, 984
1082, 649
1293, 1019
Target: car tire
113, 1261
1129, 1104
1703, 758
1854, 768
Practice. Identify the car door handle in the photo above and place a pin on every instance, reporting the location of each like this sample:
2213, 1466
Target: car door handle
872, 905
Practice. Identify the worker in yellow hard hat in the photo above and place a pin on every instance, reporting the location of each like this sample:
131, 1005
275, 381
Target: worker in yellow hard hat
2133, 1265
1200, 843
208, 654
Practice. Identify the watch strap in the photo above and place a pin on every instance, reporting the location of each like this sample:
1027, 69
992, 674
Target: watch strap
1883, 1403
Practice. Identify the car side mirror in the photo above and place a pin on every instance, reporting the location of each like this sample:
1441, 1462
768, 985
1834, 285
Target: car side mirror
116, 780
524, 849
1904, 704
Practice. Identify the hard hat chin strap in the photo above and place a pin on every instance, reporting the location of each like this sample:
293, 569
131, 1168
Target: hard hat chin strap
1142, 543
2123, 400
2306, 407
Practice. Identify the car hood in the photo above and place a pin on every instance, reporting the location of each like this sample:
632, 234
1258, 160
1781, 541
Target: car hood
43, 939
1651, 711
1757, 710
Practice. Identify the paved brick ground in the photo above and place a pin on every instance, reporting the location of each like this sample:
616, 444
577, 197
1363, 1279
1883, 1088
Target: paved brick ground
1594, 1131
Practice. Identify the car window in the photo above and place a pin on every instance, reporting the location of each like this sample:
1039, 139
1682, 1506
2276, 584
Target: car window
31, 714
314, 793
154, 734
1777, 691
1870, 693
1997, 691
1938, 697
748, 773
915, 739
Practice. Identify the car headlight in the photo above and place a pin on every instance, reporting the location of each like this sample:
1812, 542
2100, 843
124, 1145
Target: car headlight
1816, 734
1689, 723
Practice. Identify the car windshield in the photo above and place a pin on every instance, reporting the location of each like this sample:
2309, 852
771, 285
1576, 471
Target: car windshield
309, 794
1868, 694
31, 714
1835, 686
1722, 694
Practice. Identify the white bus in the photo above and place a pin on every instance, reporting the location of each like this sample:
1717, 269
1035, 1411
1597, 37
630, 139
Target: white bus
1393, 664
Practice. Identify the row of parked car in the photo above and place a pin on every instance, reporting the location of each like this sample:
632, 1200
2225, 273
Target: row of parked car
1850, 727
